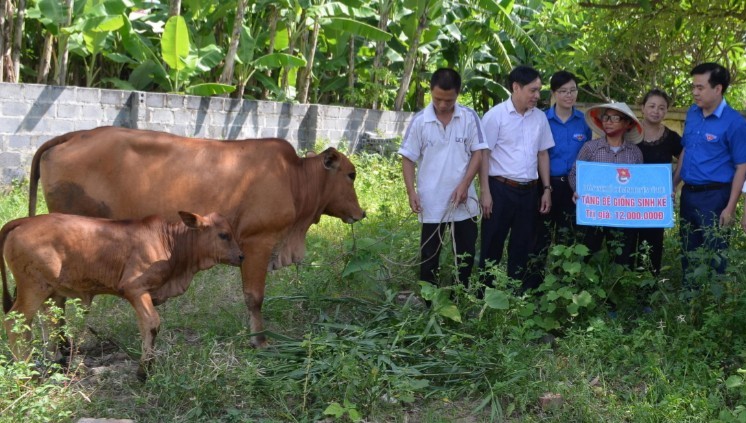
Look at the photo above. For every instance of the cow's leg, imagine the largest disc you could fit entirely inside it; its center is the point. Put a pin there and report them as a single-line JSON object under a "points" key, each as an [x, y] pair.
{"points": [[149, 323], [254, 273], [27, 303]]}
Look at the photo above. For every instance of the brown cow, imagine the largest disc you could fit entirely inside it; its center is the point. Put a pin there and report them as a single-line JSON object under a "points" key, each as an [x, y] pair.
{"points": [[146, 262], [269, 194]]}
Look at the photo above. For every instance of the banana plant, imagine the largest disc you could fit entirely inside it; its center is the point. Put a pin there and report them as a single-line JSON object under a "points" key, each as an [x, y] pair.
{"points": [[341, 26], [261, 50], [180, 61], [93, 33]]}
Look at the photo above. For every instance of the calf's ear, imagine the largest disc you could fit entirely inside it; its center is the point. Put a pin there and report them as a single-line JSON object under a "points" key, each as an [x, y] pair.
{"points": [[192, 220], [331, 158]]}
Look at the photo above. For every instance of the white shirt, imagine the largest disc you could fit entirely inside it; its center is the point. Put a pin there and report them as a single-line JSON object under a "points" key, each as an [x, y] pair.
{"points": [[515, 140], [442, 156]]}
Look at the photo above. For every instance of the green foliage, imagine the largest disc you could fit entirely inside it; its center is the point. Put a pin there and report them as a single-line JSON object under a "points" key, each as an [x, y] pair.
{"points": [[619, 53], [570, 287], [37, 389]]}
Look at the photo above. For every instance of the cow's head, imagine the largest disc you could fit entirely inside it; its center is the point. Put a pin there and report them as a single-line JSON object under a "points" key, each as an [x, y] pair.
{"points": [[341, 199], [215, 242]]}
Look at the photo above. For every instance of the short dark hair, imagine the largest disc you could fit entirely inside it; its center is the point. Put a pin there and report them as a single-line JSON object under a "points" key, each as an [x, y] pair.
{"points": [[523, 75], [446, 79], [718, 74], [561, 78], [656, 92]]}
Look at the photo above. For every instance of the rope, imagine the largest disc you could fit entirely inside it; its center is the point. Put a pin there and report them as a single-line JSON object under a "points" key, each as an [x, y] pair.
{"points": [[472, 206]]}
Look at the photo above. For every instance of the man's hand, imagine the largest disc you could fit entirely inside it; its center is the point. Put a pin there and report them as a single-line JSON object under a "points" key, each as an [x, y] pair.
{"points": [[546, 202], [575, 197], [726, 217], [460, 195], [414, 203], [486, 201]]}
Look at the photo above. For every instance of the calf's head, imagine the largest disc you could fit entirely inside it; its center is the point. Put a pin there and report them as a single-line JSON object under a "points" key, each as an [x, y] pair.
{"points": [[215, 241], [340, 190]]}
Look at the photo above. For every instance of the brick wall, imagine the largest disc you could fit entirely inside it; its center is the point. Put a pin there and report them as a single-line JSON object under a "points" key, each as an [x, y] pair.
{"points": [[30, 114]]}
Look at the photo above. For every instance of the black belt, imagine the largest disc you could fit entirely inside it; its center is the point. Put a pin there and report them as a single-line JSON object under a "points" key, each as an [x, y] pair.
{"points": [[562, 178], [515, 184], [706, 187]]}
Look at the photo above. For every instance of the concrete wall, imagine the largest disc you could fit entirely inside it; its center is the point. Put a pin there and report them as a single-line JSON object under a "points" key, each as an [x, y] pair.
{"points": [[30, 114]]}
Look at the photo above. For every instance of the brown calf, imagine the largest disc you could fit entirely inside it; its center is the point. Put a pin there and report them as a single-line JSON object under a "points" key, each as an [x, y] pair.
{"points": [[146, 262]]}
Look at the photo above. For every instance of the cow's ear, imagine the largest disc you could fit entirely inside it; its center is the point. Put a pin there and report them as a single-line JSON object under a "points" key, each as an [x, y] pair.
{"points": [[192, 220], [331, 158]]}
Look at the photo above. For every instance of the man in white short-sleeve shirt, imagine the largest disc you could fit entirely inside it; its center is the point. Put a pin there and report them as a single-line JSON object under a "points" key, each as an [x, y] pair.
{"points": [[443, 143], [518, 135]]}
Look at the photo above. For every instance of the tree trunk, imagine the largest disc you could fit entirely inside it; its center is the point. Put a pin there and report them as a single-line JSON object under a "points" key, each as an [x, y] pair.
{"points": [[273, 16], [18, 39], [4, 11], [351, 73], [409, 62], [174, 8], [45, 63], [419, 90], [60, 75], [305, 81], [230, 59], [383, 23], [292, 40]]}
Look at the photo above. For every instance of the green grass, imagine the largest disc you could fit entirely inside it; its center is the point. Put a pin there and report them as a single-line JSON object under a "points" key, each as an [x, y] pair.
{"points": [[345, 347]]}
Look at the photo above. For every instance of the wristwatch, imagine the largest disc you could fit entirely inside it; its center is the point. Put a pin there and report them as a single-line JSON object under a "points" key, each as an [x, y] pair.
{"points": [[549, 187]]}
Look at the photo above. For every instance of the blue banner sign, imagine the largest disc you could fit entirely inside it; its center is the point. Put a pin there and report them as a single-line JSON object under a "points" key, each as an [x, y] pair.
{"points": [[624, 195]]}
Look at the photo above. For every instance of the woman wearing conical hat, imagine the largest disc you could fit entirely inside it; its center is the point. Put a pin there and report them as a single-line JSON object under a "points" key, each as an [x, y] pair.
{"points": [[621, 132]]}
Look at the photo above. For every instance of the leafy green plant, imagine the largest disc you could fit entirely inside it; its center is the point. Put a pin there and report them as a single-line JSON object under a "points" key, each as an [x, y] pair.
{"points": [[570, 287]]}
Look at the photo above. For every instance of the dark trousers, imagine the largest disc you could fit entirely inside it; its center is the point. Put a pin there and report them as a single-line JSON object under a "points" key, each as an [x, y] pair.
{"points": [[699, 215], [654, 238], [431, 241], [513, 211], [594, 237], [557, 226], [559, 223]]}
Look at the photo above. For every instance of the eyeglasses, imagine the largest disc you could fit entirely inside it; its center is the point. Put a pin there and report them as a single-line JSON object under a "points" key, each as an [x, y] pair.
{"points": [[563, 92], [612, 118]]}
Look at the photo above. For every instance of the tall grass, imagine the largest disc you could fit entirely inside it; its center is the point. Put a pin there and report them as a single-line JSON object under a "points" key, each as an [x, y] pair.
{"points": [[346, 345]]}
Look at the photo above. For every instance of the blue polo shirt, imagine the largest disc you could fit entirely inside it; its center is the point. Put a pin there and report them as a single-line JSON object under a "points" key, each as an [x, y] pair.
{"points": [[569, 137], [714, 145]]}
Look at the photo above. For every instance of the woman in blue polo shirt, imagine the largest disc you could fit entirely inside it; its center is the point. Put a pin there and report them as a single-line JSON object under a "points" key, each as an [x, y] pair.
{"points": [[570, 132]]}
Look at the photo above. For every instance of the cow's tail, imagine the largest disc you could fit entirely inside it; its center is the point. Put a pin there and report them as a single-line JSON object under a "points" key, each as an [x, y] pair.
{"points": [[34, 176], [7, 298]]}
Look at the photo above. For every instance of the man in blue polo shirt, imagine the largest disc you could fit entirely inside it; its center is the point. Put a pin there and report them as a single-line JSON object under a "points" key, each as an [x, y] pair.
{"points": [[713, 164]]}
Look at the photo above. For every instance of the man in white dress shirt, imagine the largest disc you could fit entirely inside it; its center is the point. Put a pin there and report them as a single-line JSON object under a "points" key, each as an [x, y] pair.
{"points": [[444, 142], [518, 135]]}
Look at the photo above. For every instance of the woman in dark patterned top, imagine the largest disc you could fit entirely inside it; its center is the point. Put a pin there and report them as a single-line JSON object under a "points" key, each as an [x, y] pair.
{"points": [[659, 145]]}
